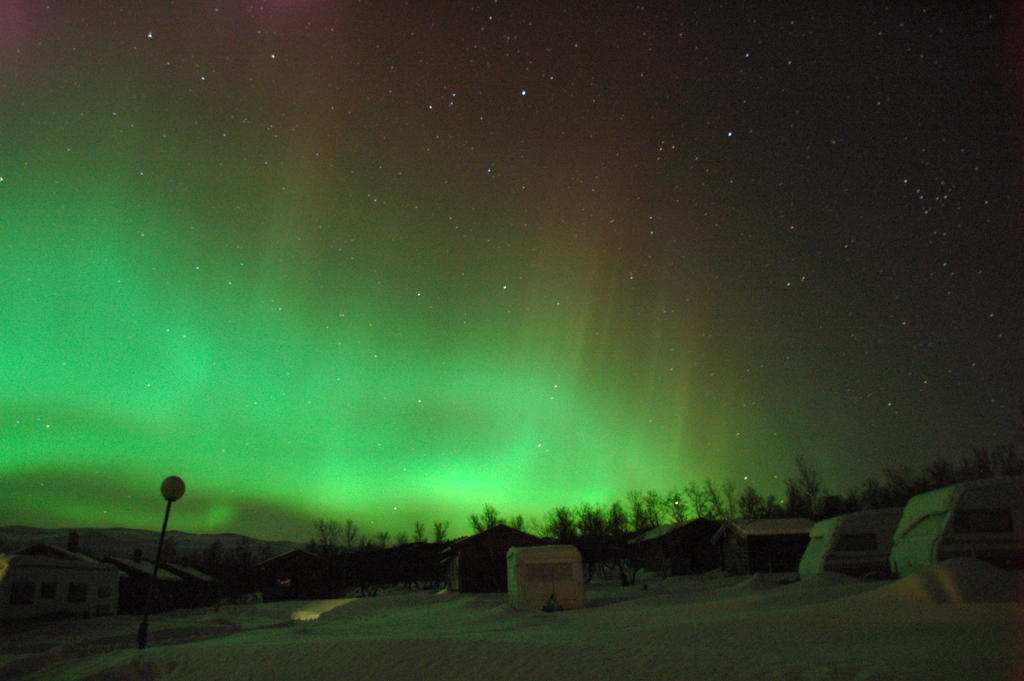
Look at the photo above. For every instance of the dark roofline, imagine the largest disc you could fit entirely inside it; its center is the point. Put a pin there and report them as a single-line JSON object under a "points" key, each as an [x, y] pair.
{"points": [[287, 553], [502, 526], [187, 573], [143, 568]]}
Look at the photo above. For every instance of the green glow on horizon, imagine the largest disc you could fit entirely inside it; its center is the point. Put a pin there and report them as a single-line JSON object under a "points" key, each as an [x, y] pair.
{"points": [[125, 355]]}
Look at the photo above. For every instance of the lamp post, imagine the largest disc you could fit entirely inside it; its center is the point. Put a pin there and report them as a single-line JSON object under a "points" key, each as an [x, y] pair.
{"points": [[172, 489]]}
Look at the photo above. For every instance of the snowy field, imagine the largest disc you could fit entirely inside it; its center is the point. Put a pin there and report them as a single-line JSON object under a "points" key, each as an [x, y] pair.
{"points": [[962, 620]]}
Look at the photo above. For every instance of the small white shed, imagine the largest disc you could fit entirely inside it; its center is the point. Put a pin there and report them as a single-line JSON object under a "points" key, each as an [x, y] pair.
{"points": [[545, 577]]}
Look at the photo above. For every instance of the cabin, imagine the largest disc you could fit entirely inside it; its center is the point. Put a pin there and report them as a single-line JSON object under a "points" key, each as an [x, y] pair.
{"points": [[682, 548], [415, 564], [478, 563], [292, 575], [545, 577], [855, 544], [48, 581], [136, 575], [763, 545], [197, 590], [981, 519]]}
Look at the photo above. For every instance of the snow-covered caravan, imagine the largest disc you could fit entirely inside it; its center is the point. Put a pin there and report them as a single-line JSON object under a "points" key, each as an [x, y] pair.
{"points": [[981, 518], [545, 577], [47, 580], [855, 544]]}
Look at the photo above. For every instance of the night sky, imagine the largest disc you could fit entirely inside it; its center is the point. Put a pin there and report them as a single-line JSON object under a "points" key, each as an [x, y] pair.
{"points": [[392, 261]]}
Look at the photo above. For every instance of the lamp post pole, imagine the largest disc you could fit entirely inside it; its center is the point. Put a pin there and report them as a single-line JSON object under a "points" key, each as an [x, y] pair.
{"points": [[172, 489]]}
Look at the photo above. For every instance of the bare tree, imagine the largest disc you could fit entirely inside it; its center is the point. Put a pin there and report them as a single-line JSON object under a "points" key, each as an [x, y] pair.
{"points": [[440, 531], [773, 507], [326, 535], [644, 511], [561, 525], [326, 538], [803, 492], [485, 521], [751, 505], [351, 534], [939, 473], [420, 533], [698, 499], [1006, 461], [382, 539], [675, 506], [590, 521], [715, 501], [617, 521], [653, 508], [729, 497]]}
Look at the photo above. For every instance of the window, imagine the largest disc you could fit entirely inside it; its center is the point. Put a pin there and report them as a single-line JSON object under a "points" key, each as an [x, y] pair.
{"points": [[857, 542], [48, 590], [77, 592], [982, 520], [23, 593]]}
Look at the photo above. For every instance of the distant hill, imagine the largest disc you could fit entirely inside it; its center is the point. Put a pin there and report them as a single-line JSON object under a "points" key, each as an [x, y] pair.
{"points": [[121, 541]]}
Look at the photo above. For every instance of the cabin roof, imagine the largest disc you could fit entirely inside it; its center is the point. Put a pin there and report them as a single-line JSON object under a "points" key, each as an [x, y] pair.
{"points": [[144, 567], [663, 530]]}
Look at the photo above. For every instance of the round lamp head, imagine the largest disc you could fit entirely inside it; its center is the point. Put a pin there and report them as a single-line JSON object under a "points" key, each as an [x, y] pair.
{"points": [[173, 488]]}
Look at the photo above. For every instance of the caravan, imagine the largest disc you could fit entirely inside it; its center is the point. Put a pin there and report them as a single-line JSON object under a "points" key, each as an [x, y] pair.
{"points": [[981, 518], [856, 544]]}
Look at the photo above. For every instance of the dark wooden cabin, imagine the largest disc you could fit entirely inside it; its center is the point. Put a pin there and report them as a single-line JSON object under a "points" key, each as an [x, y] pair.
{"points": [[293, 575], [678, 548], [477, 563], [763, 545], [136, 574], [197, 589]]}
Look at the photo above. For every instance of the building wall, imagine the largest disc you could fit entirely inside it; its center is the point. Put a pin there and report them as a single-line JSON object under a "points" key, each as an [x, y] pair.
{"points": [[763, 553], [735, 559], [776, 553], [482, 569], [685, 550], [294, 575], [37, 591]]}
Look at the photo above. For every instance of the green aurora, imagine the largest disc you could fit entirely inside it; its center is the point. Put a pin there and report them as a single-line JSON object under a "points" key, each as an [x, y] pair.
{"points": [[271, 252]]}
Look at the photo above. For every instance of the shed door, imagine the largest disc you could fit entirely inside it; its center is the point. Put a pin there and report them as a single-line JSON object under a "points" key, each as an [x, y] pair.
{"points": [[550, 578]]}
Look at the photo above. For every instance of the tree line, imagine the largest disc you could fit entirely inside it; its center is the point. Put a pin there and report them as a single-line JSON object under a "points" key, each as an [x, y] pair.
{"points": [[360, 560], [805, 497]]}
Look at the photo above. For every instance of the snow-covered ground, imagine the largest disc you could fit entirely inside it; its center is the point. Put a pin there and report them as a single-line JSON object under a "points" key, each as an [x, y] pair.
{"points": [[963, 620]]}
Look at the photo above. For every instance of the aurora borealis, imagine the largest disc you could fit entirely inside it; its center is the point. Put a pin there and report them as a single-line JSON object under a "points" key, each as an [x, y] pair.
{"points": [[391, 261]]}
